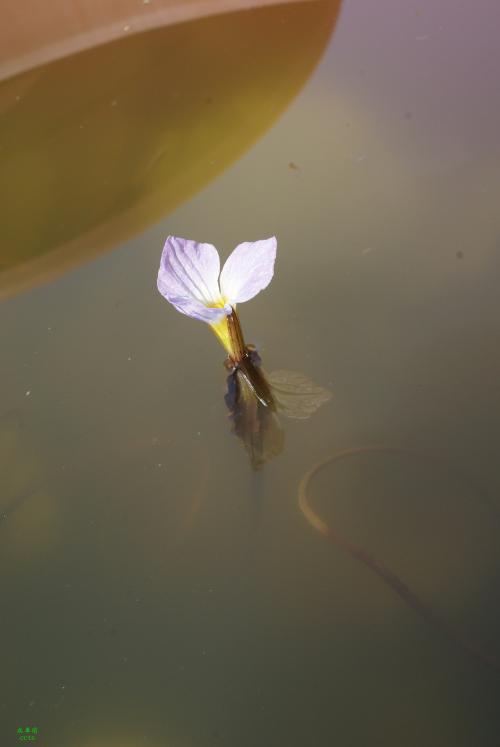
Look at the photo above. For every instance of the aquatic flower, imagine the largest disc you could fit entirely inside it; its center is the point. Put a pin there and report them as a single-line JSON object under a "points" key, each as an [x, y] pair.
{"points": [[190, 279]]}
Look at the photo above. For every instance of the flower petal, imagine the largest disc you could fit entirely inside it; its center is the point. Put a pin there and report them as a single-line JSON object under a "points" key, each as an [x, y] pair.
{"points": [[248, 270], [195, 309], [188, 278]]}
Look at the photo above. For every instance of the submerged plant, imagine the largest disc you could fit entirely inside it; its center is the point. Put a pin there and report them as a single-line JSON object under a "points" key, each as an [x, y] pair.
{"points": [[190, 279]]}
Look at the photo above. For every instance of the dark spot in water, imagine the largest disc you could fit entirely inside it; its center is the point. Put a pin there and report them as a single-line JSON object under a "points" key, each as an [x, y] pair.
{"points": [[408, 115], [293, 166], [215, 734], [460, 255], [208, 100], [113, 631]]}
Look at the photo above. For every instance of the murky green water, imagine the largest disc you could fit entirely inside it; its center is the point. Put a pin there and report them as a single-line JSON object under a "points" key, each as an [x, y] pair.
{"points": [[156, 590]]}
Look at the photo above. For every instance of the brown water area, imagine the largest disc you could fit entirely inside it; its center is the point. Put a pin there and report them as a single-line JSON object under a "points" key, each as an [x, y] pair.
{"points": [[300, 548]]}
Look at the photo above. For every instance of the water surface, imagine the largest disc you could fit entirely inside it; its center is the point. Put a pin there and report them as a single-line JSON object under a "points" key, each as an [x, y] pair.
{"points": [[156, 590]]}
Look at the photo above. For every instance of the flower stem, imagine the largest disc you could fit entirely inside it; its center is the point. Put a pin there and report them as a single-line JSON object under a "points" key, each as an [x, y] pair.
{"points": [[238, 347]]}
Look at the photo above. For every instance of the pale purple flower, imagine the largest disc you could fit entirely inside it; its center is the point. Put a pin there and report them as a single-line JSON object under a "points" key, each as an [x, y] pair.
{"points": [[189, 276]]}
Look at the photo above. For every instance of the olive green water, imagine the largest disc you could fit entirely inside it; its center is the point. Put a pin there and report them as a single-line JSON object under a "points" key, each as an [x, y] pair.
{"points": [[154, 589]]}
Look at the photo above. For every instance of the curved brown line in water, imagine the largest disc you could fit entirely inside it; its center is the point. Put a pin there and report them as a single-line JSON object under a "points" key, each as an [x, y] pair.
{"points": [[374, 565]]}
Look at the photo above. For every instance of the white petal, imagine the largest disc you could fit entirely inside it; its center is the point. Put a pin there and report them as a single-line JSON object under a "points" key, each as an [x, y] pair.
{"points": [[248, 270], [188, 277], [195, 309]]}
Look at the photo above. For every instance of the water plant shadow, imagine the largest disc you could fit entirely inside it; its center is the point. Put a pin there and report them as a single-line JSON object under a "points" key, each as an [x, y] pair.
{"points": [[358, 552]]}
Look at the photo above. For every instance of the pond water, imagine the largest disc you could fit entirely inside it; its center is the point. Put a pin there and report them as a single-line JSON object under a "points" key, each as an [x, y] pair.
{"points": [[156, 589]]}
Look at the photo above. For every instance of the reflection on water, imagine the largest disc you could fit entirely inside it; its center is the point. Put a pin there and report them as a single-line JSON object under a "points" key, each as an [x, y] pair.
{"points": [[100, 144]]}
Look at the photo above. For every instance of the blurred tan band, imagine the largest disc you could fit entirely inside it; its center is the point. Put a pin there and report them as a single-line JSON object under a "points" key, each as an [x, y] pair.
{"points": [[48, 31]]}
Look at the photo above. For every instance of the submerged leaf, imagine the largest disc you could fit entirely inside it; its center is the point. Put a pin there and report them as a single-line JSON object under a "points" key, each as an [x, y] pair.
{"points": [[296, 395], [254, 422], [255, 399]]}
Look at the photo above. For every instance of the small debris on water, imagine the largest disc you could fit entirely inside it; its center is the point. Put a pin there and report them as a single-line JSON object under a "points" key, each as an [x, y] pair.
{"points": [[293, 166], [28, 393], [460, 255]]}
